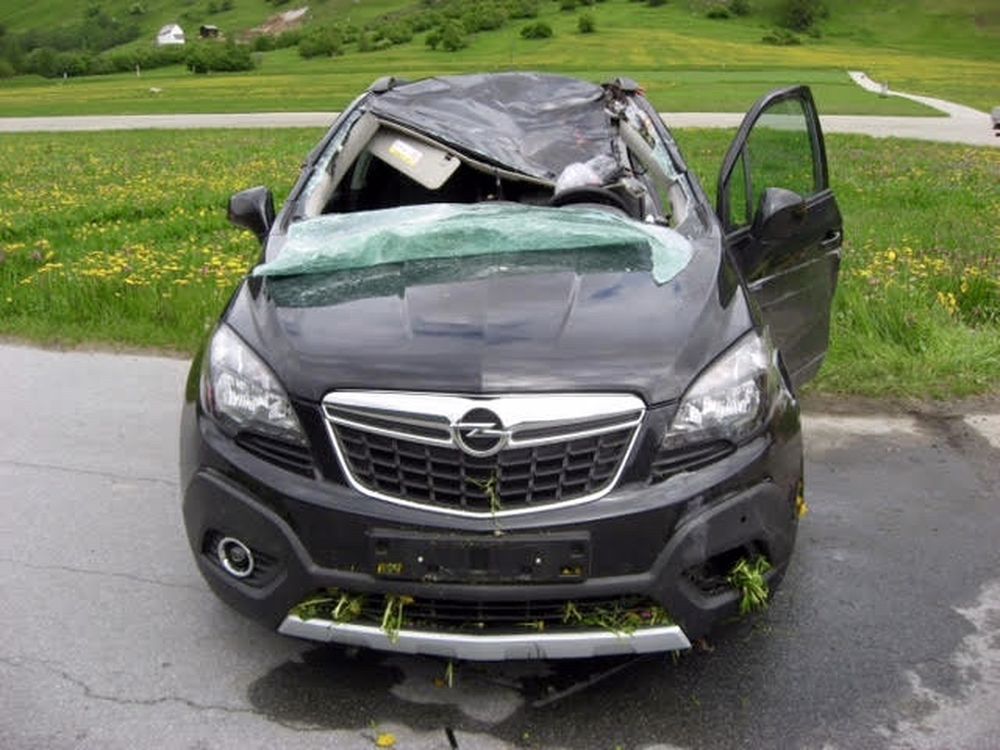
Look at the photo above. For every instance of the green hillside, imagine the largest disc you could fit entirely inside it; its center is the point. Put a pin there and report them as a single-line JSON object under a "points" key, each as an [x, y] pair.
{"points": [[967, 29], [685, 59], [244, 14]]}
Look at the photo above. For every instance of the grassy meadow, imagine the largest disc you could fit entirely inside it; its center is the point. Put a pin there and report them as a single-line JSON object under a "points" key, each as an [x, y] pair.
{"points": [[121, 238], [278, 86], [686, 61]]}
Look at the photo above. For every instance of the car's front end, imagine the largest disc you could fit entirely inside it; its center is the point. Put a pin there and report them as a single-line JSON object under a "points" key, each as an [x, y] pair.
{"points": [[564, 519], [494, 392]]}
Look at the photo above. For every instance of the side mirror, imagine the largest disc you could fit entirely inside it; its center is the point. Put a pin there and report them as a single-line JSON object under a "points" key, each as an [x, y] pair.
{"points": [[253, 209], [779, 215]]}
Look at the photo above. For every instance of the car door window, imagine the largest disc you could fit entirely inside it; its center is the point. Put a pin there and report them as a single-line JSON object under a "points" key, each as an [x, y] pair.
{"points": [[740, 211], [778, 153]]}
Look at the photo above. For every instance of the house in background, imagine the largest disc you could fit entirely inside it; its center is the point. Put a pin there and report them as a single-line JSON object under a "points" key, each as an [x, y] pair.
{"points": [[170, 34]]}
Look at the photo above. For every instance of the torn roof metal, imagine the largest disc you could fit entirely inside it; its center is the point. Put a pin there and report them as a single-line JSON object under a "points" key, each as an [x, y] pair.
{"points": [[533, 123]]}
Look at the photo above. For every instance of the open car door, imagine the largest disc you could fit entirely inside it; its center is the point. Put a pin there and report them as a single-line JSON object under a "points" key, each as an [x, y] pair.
{"points": [[782, 223]]}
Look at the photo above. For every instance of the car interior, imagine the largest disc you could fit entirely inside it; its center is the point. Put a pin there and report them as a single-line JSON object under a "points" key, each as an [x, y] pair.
{"points": [[379, 165]]}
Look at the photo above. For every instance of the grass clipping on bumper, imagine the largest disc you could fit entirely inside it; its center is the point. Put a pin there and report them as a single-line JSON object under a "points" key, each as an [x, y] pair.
{"points": [[338, 606], [747, 577], [619, 620], [342, 607]]}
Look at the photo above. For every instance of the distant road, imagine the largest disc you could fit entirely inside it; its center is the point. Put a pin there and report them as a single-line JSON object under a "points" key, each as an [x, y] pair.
{"points": [[970, 130]]}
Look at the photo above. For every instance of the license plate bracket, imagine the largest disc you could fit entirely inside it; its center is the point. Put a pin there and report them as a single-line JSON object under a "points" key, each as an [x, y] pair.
{"points": [[461, 558]]}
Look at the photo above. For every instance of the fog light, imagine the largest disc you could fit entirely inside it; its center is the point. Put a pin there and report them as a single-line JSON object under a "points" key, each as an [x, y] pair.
{"points": [[235, 557]]}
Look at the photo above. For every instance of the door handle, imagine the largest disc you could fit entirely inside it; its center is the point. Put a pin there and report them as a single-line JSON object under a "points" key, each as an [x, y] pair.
{"points": [[831, 240]]}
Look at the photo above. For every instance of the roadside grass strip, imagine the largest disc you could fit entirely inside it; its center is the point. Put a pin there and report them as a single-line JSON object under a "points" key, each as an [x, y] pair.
{"points": [[121, 239]]}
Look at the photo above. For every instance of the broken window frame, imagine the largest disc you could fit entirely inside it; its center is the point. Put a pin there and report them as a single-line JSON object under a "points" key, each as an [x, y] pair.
{"points": [[670, 196]]}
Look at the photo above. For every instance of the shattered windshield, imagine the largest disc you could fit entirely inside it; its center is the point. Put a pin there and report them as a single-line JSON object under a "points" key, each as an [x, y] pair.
{"points": [[340, 242]]}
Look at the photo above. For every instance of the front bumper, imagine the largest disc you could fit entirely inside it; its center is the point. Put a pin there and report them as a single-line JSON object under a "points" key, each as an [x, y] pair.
{"points": [[657, 541], [575, 645]]}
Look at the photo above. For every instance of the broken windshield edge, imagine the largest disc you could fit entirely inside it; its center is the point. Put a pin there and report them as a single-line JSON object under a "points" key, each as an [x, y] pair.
{"points": [[394, 279], [364, 239]]}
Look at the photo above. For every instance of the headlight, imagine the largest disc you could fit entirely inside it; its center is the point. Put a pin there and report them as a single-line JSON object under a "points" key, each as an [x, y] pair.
{"points": [[242, 393], [733, 396]]}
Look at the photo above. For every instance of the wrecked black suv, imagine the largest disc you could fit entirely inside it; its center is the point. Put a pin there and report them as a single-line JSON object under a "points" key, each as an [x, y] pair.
{"points": [[505, 384]]}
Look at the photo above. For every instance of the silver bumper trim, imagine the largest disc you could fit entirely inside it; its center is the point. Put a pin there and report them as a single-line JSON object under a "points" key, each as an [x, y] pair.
{"points": [[573, 645]]}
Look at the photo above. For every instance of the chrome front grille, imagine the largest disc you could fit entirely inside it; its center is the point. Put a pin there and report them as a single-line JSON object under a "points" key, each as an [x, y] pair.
{"points": [[482, 456]]}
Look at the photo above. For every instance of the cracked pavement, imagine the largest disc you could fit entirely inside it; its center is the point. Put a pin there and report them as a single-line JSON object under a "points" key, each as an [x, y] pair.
{"points": [[886, 633]]}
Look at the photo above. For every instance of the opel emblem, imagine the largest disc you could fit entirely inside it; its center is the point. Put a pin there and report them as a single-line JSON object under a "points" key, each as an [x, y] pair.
{"points": [[480, 433]]}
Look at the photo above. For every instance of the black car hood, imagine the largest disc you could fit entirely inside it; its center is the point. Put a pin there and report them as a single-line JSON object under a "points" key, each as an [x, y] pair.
{"points": [[582, 321]]}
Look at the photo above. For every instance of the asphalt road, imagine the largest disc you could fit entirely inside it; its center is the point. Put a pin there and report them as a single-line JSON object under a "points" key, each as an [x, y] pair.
{"points": [[886, 633]]}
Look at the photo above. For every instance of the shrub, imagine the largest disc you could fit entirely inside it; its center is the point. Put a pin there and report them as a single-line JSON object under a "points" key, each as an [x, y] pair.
{"points": [[423, 21], [655, 3], [801, 15], [399, 33], [433, 39], [740, 7], [484, 17], [586, 24], [365, 42], [72, 64], [288, 38], [720, 12], [537, 30], [781, 38], [206, 57], [102, 66], [348, 32], [6, 69], [319, 41], [522, 9], [567, 4], [452, 37], [53, 64], [263, 43], [41, 61], [137, 9]]}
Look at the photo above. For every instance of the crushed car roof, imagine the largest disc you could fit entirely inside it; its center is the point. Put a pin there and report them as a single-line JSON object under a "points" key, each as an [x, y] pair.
{"points": [[534, 123]]}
